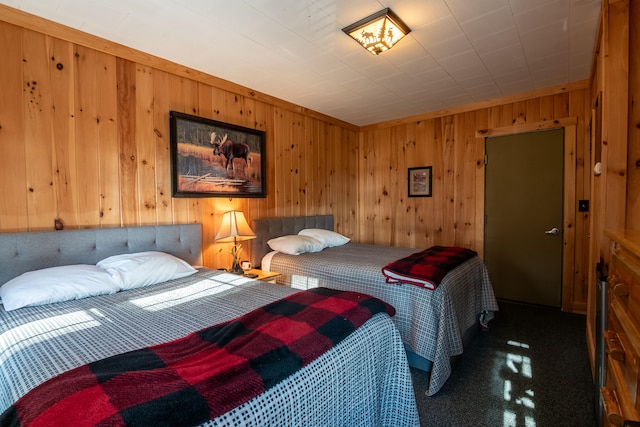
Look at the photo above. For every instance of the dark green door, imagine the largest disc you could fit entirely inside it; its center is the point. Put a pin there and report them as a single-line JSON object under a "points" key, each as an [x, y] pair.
{"points": [[523, 207]]}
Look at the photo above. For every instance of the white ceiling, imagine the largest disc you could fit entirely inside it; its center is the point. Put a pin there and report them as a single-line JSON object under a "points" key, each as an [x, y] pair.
{"points": [[458, 52]]}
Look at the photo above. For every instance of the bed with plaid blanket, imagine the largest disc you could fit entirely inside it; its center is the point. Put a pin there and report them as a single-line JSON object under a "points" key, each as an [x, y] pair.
{"points": [[432, 323], [426, 268], [276, 364]]}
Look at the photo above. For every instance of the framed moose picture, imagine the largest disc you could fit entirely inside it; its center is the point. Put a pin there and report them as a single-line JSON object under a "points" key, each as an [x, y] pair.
{"points": [[215, 159]]}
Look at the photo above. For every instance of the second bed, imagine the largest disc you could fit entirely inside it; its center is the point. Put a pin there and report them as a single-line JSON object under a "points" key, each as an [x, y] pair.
{"points": [[433, 324]]}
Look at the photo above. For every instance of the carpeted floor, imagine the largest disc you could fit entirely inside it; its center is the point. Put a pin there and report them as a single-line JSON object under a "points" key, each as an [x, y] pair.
{"points": [[531, 369]]}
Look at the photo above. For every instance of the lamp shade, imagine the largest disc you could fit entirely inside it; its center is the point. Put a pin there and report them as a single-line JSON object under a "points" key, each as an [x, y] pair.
{"points": [[234, 227], [378, 32]]}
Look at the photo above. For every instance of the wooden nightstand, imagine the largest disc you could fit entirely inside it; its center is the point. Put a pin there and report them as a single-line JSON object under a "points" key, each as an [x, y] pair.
{"points": [[265, 276]]}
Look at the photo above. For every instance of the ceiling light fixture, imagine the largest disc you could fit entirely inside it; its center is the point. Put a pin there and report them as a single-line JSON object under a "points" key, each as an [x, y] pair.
{"points": [[379, 32]]}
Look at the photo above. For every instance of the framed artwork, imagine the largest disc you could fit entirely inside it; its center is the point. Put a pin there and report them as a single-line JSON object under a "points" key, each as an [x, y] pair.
{"points": [[420, 181], [215, 159]]}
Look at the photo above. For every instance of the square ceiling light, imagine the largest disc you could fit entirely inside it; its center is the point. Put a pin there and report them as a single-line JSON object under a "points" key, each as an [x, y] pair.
{"points": [[379, 32]]}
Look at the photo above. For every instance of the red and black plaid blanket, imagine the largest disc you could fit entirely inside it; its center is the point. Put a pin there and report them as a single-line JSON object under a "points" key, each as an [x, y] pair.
{"points": [[203, 375], [426, 268]]}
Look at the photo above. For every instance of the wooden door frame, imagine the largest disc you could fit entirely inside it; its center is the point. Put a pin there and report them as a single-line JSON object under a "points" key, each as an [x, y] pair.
{"points": [[569, 205]]}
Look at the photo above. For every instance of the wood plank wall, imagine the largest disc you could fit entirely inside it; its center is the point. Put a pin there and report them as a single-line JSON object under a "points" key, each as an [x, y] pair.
{"points": [[448, 141], [87, 142], [84, 139], [615, 91]]}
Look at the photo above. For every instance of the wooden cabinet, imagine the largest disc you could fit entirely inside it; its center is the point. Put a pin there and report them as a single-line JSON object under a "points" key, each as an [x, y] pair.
{"points": [[621, 393]]}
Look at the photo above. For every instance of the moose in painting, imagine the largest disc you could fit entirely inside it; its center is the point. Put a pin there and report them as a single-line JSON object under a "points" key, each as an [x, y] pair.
{"points": [[230, 150]]}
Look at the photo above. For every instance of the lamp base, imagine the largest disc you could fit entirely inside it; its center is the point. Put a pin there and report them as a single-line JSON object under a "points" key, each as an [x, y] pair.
{"points": [[236, 269]]}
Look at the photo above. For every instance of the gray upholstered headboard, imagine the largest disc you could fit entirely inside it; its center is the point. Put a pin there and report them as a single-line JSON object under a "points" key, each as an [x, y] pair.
{"points": [[22, 252], [268, 228]]}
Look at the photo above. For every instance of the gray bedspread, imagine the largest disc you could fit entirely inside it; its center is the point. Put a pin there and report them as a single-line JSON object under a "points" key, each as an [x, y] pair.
{"points": [[364, 380], [431, 323]]}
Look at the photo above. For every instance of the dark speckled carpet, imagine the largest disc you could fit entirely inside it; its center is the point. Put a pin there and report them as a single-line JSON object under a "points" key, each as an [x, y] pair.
{"points": [[531, 369]]}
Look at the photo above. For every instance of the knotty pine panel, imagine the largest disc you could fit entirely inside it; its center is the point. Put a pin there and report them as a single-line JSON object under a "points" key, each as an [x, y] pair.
{"points": [[633, 182], [38, 131], [315, 164], [86, 136], [13, 198], [88, 142], [108, 148]]}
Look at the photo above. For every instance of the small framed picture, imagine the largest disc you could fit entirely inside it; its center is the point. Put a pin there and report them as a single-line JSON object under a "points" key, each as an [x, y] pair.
{"points": [[420, 181]]}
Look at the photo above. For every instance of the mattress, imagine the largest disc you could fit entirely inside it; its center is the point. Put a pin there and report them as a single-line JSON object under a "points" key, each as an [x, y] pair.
{"points": [[432, 323], [364, 380]]}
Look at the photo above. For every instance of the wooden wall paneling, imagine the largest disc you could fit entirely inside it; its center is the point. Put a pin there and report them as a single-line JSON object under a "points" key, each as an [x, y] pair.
{"points": [[263, 120], [482, 117], [465, 204], [436, 222], [616, 113], [285, 167], [298, 206], [354, 165], [61, 79], [519, 112], [408, 210], [126, 71], [183, 96], [433, 151], [456, 199], [366, 199], [493, 117], [579, 107], [190, 96], [386, 156], [546, 108], [13, 197], [422, 208], [38, 137], [333, 183], [447, 198], [207, 215], [108, 145], [595, 209], [162, 142], [307, 165], [365, 181], [561, 105], [533, 110], [327, 173], [313, 165], [145, 145], [276, 155], [569, 214], [507, 117], [342, 179], [87, 170], [633, 181], [396, 193]]}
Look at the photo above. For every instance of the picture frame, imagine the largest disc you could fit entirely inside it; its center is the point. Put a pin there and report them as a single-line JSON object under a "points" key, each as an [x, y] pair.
{"points": [[215, 159], [420, 181]]}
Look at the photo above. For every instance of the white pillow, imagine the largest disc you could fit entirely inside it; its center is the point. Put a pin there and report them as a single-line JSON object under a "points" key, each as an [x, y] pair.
{"points": [[295, 244], [328, 238], [140, 269], [56, 284]]}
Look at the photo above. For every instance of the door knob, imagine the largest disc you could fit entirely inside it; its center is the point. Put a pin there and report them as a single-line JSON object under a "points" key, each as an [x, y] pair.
{"points": [[554, 231]]}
